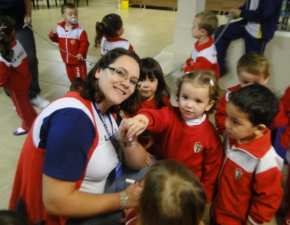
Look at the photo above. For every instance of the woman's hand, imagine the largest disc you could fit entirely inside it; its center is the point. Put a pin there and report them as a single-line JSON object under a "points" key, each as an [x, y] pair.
{"points": [[136, 125], [134, 192]]}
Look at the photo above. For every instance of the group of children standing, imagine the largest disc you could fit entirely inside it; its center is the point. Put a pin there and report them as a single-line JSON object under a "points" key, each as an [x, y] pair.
{"points": [[242, 178]]}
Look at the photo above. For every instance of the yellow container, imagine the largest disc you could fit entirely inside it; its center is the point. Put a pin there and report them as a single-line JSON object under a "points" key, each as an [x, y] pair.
{"points": [[124, 4]]}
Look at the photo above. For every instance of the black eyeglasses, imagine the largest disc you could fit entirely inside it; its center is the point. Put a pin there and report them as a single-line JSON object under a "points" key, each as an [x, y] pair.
{"points": [[122, 74]]}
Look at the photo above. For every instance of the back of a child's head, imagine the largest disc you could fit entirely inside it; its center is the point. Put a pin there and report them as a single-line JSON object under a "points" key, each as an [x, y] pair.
{"points": [[7, 27], [208, 21], [258, 102], [8, 217], [201, 78], [109, 26], [172, 194], [255, 64], [151, 68], [67, 5]]}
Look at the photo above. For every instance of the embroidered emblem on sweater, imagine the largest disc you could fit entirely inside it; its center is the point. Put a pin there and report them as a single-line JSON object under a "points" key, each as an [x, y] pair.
{"points": [[72, 42], [238, 173], [197, 147]]}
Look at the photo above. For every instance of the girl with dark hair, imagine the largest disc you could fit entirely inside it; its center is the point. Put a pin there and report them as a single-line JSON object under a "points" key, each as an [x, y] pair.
{"points": [[108, 34], [154, 94], [15, 74], [75, 143]]}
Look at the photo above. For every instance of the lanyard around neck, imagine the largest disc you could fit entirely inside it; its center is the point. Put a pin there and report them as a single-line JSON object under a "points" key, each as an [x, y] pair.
{"points": [[103, 120]]}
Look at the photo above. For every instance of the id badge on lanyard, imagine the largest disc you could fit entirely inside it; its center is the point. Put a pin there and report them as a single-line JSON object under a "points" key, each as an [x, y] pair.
{"points": [[118, 169]]}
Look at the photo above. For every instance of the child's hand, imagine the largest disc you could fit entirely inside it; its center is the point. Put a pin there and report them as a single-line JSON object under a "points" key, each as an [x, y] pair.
{"points": [[126, 213], [248, 223], [148, 160], [136, 125], [50, 33], [80, 56]]}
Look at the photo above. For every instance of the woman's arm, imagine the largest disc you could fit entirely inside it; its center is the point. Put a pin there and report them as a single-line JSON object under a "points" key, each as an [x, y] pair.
{"points": [[61, 198], [135, 154]]}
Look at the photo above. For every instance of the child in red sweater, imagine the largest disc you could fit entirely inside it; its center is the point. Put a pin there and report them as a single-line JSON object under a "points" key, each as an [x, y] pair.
{"points": [[251, 68], [187, 135], [171, 194], [109, 33], [15, 74], [155, 94], [73, 41], [284, 140], [204, 56], [249, 184]]}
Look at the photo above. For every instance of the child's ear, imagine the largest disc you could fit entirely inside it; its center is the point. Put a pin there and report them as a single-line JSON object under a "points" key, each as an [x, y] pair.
{"points": [[210, 104], [203, 32], [260, 129]]}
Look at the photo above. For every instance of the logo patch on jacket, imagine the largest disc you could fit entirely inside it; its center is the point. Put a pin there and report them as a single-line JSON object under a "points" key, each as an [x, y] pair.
{"points": [[238, 173], [72, 42], [197, 147]]}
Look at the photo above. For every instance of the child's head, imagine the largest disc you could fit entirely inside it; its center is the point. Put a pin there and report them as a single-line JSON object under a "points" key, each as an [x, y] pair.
{"points": [[253, 68], [7, 27], [249, 111], [8, 217], [111, 25], [206, 23], [197, 93], [152, 83], [69, 12], [172, 194]]}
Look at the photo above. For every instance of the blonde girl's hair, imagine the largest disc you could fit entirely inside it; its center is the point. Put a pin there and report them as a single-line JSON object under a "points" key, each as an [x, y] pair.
{"points": [[254, 63], [201, 77], [109, 26], [172, 195], [208, 21]]}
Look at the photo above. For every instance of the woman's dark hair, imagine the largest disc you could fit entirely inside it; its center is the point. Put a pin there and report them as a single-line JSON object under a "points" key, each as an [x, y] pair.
{"points": [[7, 26], [8, 217], [92, 91], [151, 68], [109, 26], [172, 194]]}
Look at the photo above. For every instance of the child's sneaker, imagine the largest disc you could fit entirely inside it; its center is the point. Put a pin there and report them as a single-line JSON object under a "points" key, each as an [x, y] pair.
{"points": [[13, 106], [20, 131], [39, 102]]}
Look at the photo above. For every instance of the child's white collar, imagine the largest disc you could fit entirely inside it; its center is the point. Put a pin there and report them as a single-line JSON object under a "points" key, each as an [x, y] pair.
{"points": [[195, 122]]}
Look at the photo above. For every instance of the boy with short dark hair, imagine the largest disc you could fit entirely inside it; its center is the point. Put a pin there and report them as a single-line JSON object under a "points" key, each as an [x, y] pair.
{"points": [[249, 187], [204, 56], [73, 41]]}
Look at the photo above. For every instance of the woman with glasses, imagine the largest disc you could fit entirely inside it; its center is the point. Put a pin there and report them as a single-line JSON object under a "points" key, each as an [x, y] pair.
{"points": [[76, 143]]}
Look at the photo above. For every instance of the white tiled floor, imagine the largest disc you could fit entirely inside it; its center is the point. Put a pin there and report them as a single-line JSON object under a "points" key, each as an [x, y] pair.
{"points": [[149, 31]]}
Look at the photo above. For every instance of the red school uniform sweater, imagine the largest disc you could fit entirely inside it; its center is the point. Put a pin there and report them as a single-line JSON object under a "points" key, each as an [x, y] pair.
{"points": [[15, 75], [249, 183], [109, 43], [74, 41], [220, 114], [284, 139], [203, 57], [198, 147]]}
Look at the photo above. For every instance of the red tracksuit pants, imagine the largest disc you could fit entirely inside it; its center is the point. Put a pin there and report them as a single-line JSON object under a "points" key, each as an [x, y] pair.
{"points": [[24, 108], [76, 70]]}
